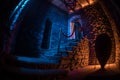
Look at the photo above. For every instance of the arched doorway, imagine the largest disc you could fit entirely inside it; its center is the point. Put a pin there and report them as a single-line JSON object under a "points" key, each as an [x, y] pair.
{"points": [[103, 46], [75, 25], [78, 32]]}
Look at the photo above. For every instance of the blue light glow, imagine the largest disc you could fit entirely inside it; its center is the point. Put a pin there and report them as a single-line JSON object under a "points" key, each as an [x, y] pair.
{"points": [[17, 7], [37, 60], [19, 11]]}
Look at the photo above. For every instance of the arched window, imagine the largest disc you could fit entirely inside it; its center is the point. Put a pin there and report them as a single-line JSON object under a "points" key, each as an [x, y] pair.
{"points": [[46, 34]]}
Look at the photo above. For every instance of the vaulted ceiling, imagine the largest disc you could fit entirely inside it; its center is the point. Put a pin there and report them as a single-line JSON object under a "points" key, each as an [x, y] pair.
{"points": [[79, 4], [59, 4]]}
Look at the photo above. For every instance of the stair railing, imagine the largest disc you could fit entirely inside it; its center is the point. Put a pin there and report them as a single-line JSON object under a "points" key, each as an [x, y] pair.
{"points": [[59, 41]]}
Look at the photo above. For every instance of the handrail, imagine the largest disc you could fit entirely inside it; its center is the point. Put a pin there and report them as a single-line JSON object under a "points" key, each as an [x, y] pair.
{"points": [[68, 36], [59, 40]]}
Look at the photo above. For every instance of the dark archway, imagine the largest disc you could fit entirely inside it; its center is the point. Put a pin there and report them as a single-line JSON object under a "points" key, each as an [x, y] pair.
{"points": [[46, 35], [103, 46]]}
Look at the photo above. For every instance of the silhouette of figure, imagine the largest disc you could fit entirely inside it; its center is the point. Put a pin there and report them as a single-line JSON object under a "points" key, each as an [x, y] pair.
{"points": [[78, 31], [103, 47]]}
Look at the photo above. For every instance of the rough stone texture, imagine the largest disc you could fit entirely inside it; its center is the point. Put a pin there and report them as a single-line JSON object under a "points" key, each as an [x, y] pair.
{"points": [[81, 54], [27, 38], [31, 29], [116, 36], [77, 58], [59, 20], [96, 23]]}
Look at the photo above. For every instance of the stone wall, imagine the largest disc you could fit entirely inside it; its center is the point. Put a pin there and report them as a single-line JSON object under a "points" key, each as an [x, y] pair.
{"points": [[28, 36], [81, 54], [59, 20], [31, 29], [95, 23], [116, 34]]}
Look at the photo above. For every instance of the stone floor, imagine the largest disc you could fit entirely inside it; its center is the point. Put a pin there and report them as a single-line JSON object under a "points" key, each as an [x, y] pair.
{"points": [[92, 72]]}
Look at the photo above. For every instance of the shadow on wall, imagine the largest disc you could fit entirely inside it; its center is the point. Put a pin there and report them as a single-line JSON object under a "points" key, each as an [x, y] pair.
{"points": [[103, 46], [46, 35]]}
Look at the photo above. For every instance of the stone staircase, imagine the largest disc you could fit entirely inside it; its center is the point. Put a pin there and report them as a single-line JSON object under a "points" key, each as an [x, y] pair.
{"points": [[47, 64], [15, 67], [71, 55], [45, 61], [78, 56], [68, 47], [55, 55]]}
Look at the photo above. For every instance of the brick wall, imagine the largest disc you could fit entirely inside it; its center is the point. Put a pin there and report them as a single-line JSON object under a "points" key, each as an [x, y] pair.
{"points": [[116, 35], [77, 58], [96, 23]]}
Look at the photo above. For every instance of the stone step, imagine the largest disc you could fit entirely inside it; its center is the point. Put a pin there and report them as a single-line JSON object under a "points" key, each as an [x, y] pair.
{"points": [[65, 58], [55, 57], [69, 48], [75, 47], [73, 43], [28, 62], [70, 53], [72, 40], [17, 73], [64, 54]]}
